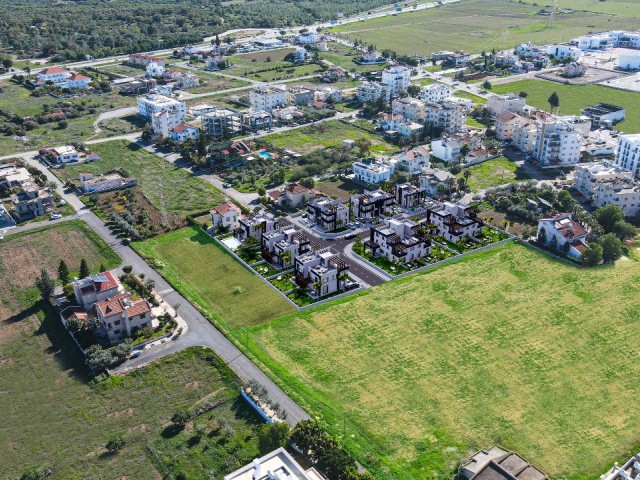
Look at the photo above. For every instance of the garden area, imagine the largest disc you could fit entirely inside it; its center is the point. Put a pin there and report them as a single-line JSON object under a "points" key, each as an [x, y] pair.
{"points": [[168, 188], [492, 173], [435, 352]]}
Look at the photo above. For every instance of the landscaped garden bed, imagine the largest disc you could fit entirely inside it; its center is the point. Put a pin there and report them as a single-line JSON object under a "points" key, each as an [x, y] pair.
{"points": [[284, 282]]}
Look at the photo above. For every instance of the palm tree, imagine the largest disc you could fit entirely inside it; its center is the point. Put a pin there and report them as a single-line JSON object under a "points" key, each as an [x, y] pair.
{"points": [[316, 286], [466, 173], [285, 258]]}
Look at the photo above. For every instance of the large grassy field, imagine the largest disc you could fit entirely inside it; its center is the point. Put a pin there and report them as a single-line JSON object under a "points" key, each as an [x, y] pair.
{"points": [[506, 346], [575, 97], [53, 418], [343, 55], [492, 173], [327, 134], [621, 8], [476, 25], [168, 188], [224, 290]]}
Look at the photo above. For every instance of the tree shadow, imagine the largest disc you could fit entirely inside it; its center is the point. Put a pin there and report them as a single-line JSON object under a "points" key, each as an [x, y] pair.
{"points": [[23, 315], [243, 411], [193, 441], [172, 430]]}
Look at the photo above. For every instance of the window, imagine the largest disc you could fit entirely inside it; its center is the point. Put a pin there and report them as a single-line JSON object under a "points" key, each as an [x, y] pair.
{"points": [[116, 323], [116, 332], [143, 325]]}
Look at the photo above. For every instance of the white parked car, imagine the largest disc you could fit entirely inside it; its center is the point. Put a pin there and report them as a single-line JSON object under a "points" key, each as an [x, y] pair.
{"points": [[55, 216]]}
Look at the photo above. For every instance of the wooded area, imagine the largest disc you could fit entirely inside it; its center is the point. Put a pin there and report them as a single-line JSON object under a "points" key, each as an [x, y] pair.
{"points": [[73, 29]]}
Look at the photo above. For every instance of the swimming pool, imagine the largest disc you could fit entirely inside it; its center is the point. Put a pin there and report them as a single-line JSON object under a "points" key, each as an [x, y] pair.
{"points": [[265, 155]]}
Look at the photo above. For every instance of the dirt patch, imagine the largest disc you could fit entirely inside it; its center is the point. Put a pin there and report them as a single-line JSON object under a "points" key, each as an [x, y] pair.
{"points": [[497, 218], [195, 384], [143, 427], [127, 411]]}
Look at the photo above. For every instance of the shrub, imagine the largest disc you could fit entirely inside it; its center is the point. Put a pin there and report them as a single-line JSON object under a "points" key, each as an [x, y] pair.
{"points": [[116, 443], [127, 269]]}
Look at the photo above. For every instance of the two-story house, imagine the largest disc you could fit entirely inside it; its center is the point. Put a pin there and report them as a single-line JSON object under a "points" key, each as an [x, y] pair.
{"points": [[371, 204], [225, 215], [455, 221], [284, 245], [96, 288], [410, 196], [120, 315], [321, 272], [328, 214], [399, 241], [255, 225]]}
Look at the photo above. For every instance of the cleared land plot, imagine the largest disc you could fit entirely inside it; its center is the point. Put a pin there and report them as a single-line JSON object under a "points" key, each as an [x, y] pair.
{"points": [[226, 291], [476, 25], [470, 96], [326, 134], [494, 172], [505, 346], [268, 65], [341, 189], [575, 97], [210, 82], [23, 255], [169, 188]]}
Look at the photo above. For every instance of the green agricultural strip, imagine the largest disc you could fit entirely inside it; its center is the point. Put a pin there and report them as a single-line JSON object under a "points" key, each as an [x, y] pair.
{"points": [[225, 291], [477, 25], [169, 188], [505, 346], [575, 97]]}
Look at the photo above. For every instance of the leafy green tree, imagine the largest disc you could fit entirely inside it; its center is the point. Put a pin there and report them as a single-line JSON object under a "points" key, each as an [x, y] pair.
{"points": [[624, 230], [180, 417], [123, 350], [84, 269], [272, 436], [607, 216], [103, 268], [45, 284], [99, 359], [592, 255], [307, 182], [554, 100], [63, 272], [611, 247], [116, 443], [364, 146], [74, 324]]}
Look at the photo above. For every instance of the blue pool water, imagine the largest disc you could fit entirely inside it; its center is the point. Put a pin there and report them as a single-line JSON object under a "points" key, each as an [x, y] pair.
{"points": [[265, 155]]}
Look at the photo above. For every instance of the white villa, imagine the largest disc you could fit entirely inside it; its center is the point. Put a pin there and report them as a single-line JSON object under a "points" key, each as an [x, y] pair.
{"points": [[455, 221], [328, 214], [284, 245], [322, 272], [371, 204], [398, 241], [564, 230], [373, 171], [225, 215]]}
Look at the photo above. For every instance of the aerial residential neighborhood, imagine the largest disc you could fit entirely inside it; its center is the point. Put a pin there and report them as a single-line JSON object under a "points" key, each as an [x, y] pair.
{"points": [[319, 241]]}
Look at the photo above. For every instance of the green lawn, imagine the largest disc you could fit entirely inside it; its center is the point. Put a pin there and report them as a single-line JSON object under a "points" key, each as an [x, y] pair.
{"points": [[168, 188], [494, 172], [327, 134], [575, 97], [262, 66], [228, 294], [470, 96], [506, 346], [210, 82], [479, 25]]}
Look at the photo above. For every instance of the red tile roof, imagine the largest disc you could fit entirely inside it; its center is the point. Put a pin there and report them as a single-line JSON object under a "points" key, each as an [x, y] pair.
{"points": [[111, 282], [417, 153], [53, 70], [78, 78], [225, 208], [295, 188]]}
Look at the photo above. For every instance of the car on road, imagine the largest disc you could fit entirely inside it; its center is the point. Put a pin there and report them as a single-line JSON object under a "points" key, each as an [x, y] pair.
{"points": [[350, 236], [135, 354], [55, 216], [226, 185]]}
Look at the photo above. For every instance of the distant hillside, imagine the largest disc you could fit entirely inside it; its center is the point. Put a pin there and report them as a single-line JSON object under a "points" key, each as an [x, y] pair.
{"points": [[69, 30]]}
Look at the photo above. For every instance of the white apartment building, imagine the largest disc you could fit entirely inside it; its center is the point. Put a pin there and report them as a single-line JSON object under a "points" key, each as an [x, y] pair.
{"points": [[505, 124], [396, 79], [595, 41], [278, 464], [435, 93], [564, 51], [623, 193], [447, 115], [267, 97], [629, 61], [371, 92], [510, 102], [225, 215], [326, 94], [628, 155], [398, 241], [164, 112], [524, 136], [410, 108], [373, 171], [587, 176], [409, 195], [557, 144]]}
